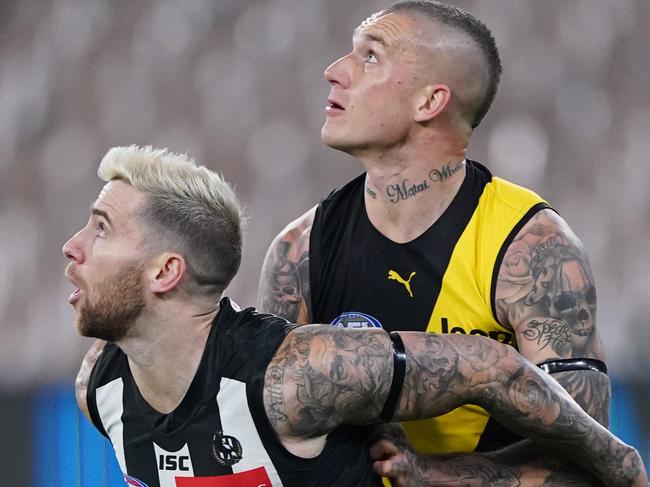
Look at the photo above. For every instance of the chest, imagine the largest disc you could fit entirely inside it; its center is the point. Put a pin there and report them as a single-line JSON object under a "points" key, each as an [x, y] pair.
{"points": [[215, 443]]}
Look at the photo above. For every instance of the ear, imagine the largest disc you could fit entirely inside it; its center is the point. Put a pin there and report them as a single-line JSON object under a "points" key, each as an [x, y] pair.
{"points": [[433, 100], [166, 272]]}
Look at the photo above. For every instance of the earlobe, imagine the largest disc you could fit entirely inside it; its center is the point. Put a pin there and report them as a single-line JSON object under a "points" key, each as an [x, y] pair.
{"points": [[167, 273], [433, 102]]}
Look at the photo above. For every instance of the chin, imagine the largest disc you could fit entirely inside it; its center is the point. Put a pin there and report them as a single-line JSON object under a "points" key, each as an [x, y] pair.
{"points": [[334, 142]]}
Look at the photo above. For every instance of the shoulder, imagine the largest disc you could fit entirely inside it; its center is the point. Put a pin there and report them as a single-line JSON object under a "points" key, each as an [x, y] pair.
{"points": [[249, 328], [542, 248], [83, 377], [509, 194], [298, 229], [284, 281], [546, 290]]}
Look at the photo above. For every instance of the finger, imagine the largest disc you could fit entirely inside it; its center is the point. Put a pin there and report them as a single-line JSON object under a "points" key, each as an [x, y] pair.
{"points": [[392, 467], [383, 449]]}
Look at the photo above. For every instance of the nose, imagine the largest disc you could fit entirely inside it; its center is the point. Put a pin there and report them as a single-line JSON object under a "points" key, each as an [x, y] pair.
{"points": [[337, 73], [72, 249]]}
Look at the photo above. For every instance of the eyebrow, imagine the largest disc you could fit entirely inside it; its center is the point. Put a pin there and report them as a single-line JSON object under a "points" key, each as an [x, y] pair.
{"points": [[102, 213], [376, 38]]}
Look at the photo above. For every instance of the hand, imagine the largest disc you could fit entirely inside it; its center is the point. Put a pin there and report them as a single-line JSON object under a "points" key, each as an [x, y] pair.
{"points": [[393, 458]]}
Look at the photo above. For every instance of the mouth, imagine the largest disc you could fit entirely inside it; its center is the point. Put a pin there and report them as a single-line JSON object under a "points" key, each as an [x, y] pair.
{"points": [[334, 106], [74, 297]]}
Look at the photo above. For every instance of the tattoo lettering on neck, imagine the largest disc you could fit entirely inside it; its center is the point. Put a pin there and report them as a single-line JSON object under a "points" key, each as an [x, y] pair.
{"points": [[445, 172], [371, 193], [405, 190]]}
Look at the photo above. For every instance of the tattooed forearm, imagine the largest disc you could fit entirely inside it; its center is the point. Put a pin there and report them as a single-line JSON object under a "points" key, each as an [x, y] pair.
{"points": [[284, 282], [477, 470], [330, 376], [590, 389], [448, 371]]}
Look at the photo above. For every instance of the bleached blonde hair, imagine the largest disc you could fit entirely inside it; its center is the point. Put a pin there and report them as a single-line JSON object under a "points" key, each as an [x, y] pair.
{"points": [[190, 209]]}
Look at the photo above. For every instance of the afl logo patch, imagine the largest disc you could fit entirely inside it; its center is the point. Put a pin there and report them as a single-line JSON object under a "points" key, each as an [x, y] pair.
{"points": [[353, 319], [226, 449]]}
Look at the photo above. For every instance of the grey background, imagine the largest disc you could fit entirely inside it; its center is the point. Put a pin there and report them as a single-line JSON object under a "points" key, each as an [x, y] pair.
{"points": [[239, 85]]}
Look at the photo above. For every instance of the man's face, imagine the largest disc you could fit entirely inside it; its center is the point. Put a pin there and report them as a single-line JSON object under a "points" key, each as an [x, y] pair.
{"points": [[106, 265], [373, 88]]}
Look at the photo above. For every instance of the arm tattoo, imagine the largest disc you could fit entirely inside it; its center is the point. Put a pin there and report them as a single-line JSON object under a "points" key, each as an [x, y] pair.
{"points": [[324, 376], [284, 283], [591, 390], [446, 371], [553, 333], [546, 291]]}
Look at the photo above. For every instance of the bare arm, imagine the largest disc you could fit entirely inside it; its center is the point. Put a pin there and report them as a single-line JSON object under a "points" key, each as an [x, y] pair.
{"points": [[81, 382], [323, 376], [546, 293], [284, 282]]}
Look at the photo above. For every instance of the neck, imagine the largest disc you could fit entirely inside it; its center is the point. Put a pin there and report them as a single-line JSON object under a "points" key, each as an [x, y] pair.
{"points": [[407, 190], [164, 352]]}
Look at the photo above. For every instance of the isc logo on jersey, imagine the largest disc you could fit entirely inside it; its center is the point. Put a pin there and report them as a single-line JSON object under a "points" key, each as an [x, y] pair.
{"points": [[172, 465], [354, 319]]}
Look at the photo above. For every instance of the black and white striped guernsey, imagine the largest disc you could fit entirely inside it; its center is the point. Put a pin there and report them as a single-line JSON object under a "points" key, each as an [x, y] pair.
{"points": [[219, 434]]}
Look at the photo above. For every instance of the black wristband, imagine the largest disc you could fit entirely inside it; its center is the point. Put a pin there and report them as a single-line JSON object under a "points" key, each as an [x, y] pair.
{"points": [[399, 369], [564, 365]]}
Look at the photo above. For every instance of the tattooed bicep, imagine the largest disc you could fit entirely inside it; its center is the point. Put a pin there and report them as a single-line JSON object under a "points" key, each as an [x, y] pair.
{"points": [[323, 376], [284, 281], [546, 291]]}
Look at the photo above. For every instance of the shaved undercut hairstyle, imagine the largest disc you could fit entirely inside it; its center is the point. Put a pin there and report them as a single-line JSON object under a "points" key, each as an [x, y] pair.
{"points": [[476, 30], [189, 209]]}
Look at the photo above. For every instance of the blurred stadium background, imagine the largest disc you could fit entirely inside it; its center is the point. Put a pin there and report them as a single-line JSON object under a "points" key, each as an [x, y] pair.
{"points": [[239, 85]]}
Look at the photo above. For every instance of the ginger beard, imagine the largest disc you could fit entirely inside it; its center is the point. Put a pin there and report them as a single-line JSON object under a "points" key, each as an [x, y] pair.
{"points": [[120, 300]]}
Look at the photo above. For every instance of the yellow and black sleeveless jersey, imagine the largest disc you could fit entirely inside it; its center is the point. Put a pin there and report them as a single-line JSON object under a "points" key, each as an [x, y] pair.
{"points": [[443, 282]]}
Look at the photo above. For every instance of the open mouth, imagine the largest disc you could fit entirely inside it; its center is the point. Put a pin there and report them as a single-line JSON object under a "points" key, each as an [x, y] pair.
{"points": [[74, 297], [333, 105]]}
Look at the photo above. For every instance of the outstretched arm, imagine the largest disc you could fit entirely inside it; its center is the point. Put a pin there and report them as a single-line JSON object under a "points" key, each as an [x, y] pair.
{"points": [[323, 376], [284, 282]]}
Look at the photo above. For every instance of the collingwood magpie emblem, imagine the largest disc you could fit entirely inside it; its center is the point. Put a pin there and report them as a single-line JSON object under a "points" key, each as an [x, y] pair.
{"points": [[226, 449]]}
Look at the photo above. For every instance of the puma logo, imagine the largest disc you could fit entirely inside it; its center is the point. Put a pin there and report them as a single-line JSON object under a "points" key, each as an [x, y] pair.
{"points": [[394, 276]]}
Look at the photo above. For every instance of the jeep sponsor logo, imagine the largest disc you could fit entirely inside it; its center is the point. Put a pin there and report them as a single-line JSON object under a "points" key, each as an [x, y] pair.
{"points": [[499, 336]]}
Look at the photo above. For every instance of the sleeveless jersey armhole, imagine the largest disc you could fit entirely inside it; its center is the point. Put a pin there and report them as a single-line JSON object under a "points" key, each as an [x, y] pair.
{"points": [[91, 398]]}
